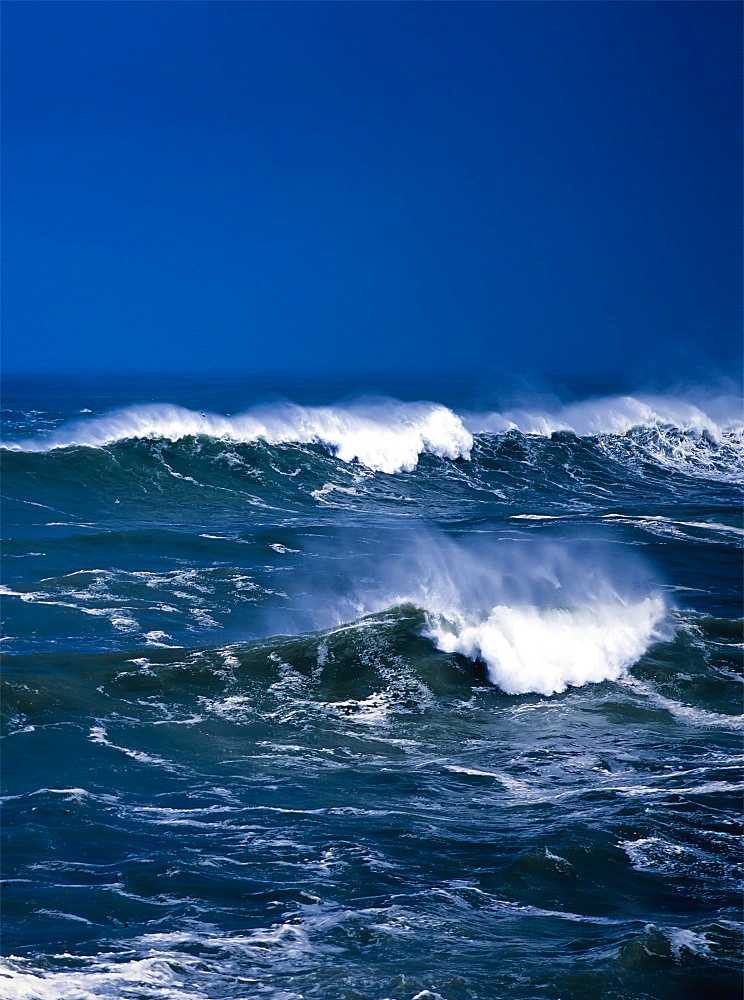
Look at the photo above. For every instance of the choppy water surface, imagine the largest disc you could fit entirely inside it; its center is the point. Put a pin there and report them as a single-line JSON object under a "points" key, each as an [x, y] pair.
{"points": [[370, 700]]}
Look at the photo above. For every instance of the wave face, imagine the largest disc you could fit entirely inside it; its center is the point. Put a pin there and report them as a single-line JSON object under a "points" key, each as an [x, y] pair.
{"points": [[372, 698]]}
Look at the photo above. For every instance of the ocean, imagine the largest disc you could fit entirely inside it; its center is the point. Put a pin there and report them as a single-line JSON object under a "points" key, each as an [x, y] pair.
{"points": [[404, 696]]}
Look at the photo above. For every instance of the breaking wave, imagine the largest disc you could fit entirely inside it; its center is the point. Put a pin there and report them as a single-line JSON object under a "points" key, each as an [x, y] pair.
{"points": [[616, 415], [389, 436], [384, 435], [541, 616], [546, 650]]}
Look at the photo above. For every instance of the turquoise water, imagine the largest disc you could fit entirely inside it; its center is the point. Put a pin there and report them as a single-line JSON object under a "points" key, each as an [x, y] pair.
{"points": [[369, 699]]}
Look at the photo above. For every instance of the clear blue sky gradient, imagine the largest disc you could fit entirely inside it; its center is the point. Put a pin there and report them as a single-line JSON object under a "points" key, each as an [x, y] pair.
{"points": [[328, 187]]}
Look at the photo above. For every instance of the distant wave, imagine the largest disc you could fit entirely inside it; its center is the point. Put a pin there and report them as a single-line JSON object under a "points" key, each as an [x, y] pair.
{"points": [[618, 415], [388, 435], [384, 435]]}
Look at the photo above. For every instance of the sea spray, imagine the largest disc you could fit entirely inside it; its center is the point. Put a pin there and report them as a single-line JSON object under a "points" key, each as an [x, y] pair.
{"points": [[542, 615], [615, 415]]}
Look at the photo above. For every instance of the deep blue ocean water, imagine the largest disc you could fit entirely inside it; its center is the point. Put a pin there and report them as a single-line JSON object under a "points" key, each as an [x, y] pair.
{"points": [[316, 697]]}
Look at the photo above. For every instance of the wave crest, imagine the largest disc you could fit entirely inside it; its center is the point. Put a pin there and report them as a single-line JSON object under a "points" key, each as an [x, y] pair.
{"points": [[546, 650], [384, 435], [387, 435], [541, 615], [616, 415]]}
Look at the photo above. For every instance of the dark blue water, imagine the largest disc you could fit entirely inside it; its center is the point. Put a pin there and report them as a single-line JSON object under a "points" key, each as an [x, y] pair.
{"points": [[369, 699]]}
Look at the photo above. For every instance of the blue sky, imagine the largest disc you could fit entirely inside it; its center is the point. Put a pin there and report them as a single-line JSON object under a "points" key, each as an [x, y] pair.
{"points": [[539, 188]]}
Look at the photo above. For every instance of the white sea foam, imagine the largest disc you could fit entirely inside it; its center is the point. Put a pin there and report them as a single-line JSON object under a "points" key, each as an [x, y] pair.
{"points": [[546, 650], [681, 939], [687, 714], [151, 977], [99, 735], [180, 965], [654, 854], [703, 531], [703, 438]]}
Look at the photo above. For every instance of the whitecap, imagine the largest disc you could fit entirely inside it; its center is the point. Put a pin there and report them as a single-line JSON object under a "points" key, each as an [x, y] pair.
{"points": [[616, 415], [382, 434], [546, 650]]}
